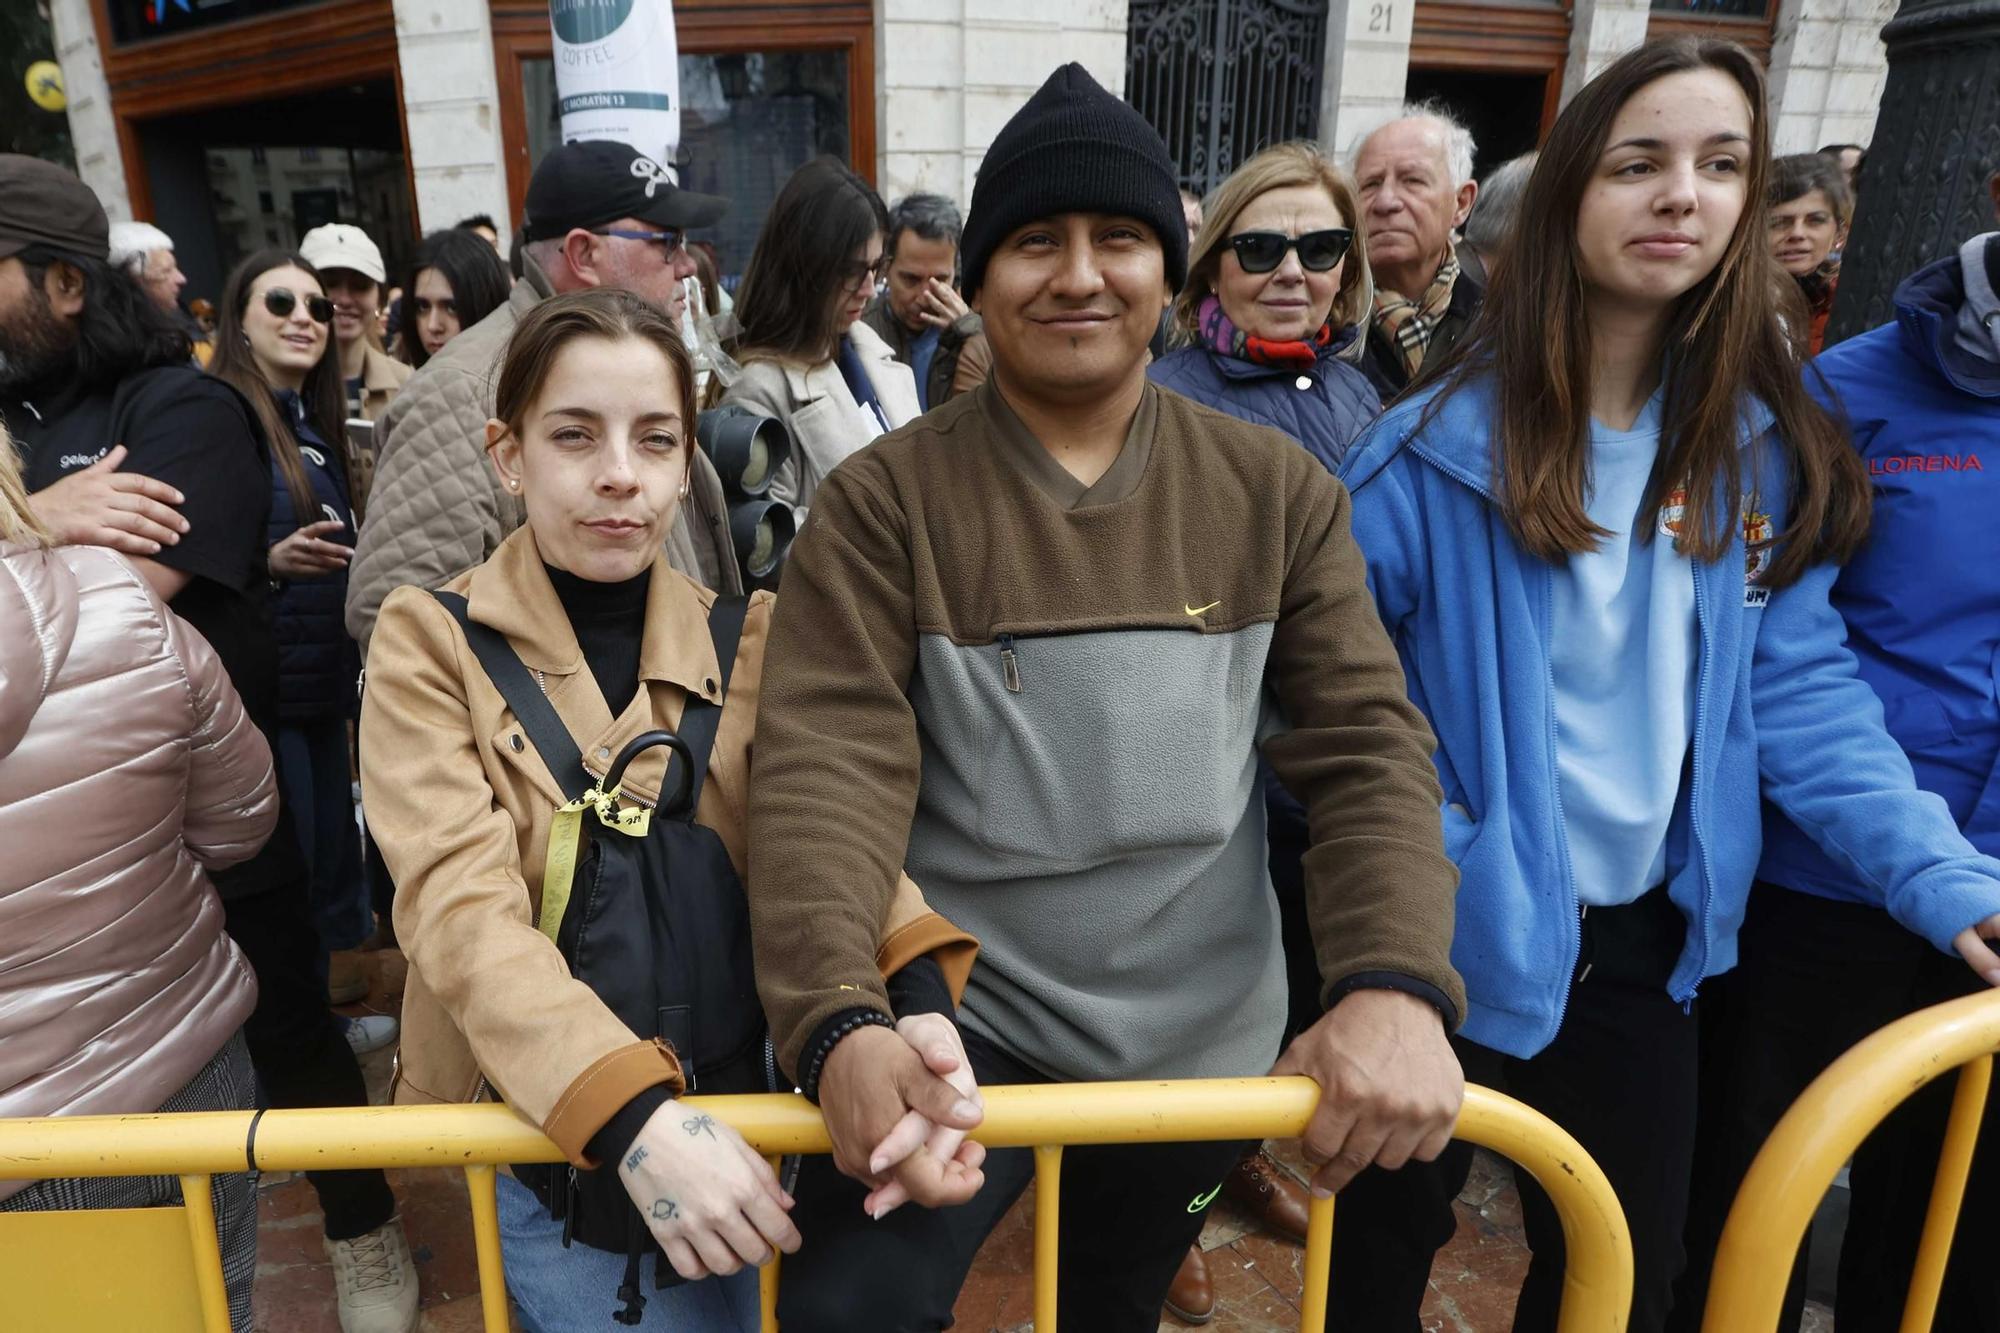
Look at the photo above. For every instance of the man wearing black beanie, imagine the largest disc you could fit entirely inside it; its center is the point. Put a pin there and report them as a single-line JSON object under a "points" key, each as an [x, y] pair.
{"points": [[1027, 648]]}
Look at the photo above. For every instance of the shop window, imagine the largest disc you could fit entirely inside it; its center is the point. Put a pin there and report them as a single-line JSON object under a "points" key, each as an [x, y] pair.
{"points": [[143, 20], [748, 120]]}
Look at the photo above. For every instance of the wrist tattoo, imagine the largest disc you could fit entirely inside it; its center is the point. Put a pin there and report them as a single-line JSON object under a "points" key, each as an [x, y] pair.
{"points": [[665, 1210], [699, 1125], [632, 1162]]}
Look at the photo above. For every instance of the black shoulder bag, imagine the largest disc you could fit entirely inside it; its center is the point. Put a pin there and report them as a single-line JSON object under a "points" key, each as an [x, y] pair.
{"points": [[656, 923]]}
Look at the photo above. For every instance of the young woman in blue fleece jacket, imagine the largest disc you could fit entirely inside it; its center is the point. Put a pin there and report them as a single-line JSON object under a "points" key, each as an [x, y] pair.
{"points": [[1603, 542]]}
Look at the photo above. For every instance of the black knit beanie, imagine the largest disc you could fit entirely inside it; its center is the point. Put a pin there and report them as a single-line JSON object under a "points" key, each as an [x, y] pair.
{"points": [[1074, 148]]}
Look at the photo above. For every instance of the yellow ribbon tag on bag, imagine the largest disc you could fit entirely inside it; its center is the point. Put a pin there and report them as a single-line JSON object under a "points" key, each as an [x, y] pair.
{"points": [[566, 834]]}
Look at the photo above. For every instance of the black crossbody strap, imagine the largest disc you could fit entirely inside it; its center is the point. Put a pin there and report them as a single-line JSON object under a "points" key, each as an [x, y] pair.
{"points": [[699, 718], [517, 686]]}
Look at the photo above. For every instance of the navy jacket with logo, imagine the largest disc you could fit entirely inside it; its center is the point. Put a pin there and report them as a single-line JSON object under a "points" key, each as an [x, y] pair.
{"points": [[1922, 598]]}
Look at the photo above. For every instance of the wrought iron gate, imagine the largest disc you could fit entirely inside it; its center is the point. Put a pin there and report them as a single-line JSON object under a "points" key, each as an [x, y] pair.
{"points": [[1221, 79]]}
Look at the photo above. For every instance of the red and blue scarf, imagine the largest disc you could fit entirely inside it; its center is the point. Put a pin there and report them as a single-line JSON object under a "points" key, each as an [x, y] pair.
{"points": [[1219, 333]]}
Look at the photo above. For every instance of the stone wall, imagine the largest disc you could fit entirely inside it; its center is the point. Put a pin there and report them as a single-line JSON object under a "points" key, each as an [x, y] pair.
{"points": [[451, 109], [92, 129], [949, 74], [1828, 69]]}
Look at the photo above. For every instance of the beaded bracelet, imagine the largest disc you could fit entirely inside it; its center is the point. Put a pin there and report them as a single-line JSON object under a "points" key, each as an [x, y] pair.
{"points": [[860, 1018]]}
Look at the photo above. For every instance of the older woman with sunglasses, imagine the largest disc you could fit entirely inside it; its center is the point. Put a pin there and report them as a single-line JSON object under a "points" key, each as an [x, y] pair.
{"points": [[1272, 319], [275, 344], [1272, 315], [807, 357]]}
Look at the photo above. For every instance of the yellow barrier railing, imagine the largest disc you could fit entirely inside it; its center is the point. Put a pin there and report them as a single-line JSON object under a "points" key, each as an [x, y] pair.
{"points": [[1797, 1164], [1597, 1293]]}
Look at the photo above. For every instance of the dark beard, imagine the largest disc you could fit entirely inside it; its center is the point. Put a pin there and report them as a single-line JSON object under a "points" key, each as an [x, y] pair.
{"points": [[35, 346]]}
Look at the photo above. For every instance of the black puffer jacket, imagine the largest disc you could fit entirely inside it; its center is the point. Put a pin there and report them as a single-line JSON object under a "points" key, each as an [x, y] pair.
{"points": [[318, 663]]}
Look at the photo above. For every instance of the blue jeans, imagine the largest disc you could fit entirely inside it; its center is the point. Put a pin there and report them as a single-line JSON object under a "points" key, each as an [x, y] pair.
{"points": [[567, 1291]]}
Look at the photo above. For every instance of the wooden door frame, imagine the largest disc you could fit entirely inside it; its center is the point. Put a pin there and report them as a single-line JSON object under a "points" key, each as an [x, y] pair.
{"points": [[701, 27], [1495, 38]]}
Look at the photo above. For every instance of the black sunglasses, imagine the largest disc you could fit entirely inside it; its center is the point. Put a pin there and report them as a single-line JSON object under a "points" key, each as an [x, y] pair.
{"points": [[282, 301], [1262, 251], [856, 271]]}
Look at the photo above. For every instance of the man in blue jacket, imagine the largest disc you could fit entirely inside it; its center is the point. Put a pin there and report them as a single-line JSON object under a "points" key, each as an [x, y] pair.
{"points": [[1820, 966]]}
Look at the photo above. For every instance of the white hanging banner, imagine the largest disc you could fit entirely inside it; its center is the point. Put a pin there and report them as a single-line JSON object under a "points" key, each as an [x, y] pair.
{"points": [[618, 73]]}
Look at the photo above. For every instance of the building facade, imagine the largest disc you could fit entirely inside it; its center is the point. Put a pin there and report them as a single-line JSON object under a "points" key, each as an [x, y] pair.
{"points": [[239, 123]]}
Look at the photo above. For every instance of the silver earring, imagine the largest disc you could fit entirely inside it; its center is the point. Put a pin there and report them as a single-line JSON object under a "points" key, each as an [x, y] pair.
{"points": [[513, 485]]}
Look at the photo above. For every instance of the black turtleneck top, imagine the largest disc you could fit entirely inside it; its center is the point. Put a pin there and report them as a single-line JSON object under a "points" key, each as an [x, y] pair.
{"points": [[610, 624]]}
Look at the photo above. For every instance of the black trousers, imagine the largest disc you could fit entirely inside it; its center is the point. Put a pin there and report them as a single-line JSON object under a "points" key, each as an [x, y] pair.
{"points": [[1129, 1213], [1620, 1076], [1813, 978], [300, 1054]]}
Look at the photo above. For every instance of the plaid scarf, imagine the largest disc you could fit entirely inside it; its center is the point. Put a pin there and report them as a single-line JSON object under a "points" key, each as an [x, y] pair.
{"points": [[1410, 324], [1219, 333]]}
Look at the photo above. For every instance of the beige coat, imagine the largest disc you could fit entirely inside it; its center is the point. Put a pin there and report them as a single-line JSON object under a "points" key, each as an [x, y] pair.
{"points": [[826, 424], [127, 766], [382, 378], [462, 805], [436, 507]]}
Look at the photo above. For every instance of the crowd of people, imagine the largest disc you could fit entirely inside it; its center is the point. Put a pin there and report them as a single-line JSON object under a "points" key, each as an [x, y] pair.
{"points": [[1366, 623]]}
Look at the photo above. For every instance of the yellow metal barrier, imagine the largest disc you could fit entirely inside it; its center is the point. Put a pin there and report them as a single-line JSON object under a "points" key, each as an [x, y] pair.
{"points": [[1784, 1186], [1597, 1286]]}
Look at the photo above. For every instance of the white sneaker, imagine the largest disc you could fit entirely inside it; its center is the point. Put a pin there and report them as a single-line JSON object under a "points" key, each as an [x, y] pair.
{"points": [[371, 1033], [375, 1281]]}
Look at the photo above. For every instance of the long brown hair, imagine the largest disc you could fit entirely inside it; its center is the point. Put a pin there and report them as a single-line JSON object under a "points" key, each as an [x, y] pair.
{"points": [[324, 394], [1277, 167], [794, 284], [1724, 345]]}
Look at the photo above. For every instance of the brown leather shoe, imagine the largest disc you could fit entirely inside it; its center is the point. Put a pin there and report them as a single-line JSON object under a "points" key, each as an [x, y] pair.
{"points": [[1192, 1297], [1268, 1193]]}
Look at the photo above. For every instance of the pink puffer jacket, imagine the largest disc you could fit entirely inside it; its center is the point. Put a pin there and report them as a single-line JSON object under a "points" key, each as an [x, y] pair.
{"points": [[126, 766]]}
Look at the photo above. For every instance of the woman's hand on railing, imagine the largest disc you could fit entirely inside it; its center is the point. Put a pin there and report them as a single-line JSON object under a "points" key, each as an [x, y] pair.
{"points": [[872, 1080], [709, 1199], [936, 1039], [1390, 1085]]}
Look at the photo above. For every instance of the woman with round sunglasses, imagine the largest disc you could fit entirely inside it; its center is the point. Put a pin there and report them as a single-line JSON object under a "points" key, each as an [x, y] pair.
{"points": [[1271, 323], [275, 344], [807, 358]]}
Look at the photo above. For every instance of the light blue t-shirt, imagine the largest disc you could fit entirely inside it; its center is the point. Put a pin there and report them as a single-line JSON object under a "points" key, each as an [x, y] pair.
{"points": [[1623, 646]]}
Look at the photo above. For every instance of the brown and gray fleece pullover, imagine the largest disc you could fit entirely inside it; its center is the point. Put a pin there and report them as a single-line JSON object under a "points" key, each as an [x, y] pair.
{"points": [[1046, 700]]}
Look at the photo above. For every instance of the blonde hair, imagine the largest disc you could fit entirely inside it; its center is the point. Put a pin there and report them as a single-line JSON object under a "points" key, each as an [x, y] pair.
{"points": [[1276, 168], [18, 520]]}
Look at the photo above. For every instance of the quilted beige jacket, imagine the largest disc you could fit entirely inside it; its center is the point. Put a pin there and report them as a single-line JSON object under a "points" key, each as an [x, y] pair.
{"points": [[437, 508], [127, 767]]}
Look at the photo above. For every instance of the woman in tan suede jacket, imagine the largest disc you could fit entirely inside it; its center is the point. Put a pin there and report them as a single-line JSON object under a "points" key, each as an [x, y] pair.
{"points": [[463, 806]]}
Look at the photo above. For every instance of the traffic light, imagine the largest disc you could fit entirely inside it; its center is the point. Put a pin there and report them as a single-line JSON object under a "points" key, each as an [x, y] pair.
{"points": [[747, 449]]}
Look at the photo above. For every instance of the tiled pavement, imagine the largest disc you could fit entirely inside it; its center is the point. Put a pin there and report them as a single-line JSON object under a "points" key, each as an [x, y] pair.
{"points": [[1257, 1277]]}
